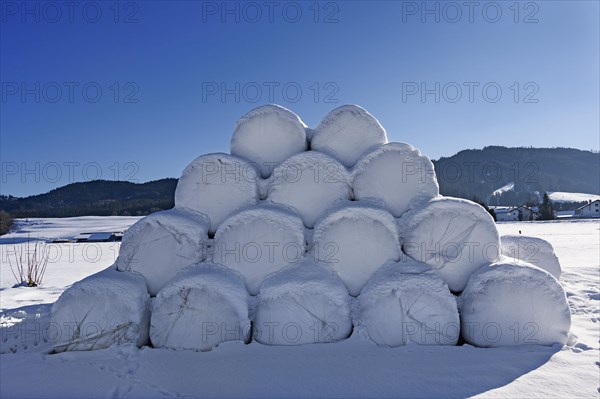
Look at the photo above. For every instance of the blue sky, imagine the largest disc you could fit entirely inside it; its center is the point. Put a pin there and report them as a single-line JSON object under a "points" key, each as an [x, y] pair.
{"points": [[136, 90]]}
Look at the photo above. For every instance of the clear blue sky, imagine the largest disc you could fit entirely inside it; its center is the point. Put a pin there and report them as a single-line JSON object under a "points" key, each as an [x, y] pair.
{"points": [[169, 58]]}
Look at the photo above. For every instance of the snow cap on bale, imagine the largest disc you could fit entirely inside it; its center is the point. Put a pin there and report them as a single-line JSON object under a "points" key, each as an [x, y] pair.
{"points": [[203, 306], [346, 133], [310, 182], [407, 302], [104, 309], [355, 238], [532, 250], [258, 241], [162, 243], [514, 303], [396, 173], [454, 236], [267, 136], [217, 185], [302, 304]]}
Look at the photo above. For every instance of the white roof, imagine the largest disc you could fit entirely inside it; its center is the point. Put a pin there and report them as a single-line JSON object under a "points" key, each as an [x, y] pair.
{"points": [[99, 236]]}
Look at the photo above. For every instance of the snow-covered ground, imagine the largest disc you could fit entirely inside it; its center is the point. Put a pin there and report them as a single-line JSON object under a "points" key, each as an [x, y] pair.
{"points": [[555, 196], [350, 368], [561, 196], [67, 262], [508, 187]]}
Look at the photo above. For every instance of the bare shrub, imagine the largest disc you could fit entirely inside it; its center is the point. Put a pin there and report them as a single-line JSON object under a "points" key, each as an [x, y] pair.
{"points": [[30, 262]]}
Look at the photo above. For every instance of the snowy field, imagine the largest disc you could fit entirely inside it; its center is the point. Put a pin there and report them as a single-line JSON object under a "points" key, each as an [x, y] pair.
{"points": [[351, 368], [559, 196]]}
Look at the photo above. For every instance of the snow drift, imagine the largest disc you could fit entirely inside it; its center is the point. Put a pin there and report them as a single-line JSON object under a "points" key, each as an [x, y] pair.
{"points": [[302, 304], [106, 308], [258, 241], [396, 173], [531, 250], [310, 182], [346, 133], [217, 185], [454, 236], [203, 306], [355, 239], [408, 303], [267, 136], [514, 303], [161, 244]]}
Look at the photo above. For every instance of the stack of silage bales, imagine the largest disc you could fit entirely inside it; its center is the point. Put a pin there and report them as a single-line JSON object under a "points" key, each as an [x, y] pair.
{"points": [[300, 238]]}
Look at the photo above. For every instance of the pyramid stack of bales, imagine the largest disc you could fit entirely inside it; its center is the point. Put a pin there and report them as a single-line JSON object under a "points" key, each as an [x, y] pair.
{"points": [[304, 235]]}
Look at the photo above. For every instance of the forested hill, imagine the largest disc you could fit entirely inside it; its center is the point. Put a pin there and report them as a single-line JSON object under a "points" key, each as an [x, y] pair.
{"points": [[468, 174], [479, 173], [97, 198]]}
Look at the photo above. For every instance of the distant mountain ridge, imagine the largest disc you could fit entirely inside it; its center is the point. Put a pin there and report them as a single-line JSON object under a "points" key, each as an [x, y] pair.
{"points": [[95, 198], [518, 174]]}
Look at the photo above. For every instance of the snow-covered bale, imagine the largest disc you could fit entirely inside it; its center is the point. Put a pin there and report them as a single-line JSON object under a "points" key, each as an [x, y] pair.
{"points": [[162, 243], [396, 173], [531, 250], [355, 239], [201, 307], [107, 308], [259, 241], [452, 235], [408, 303], [514, 303], [310, 182], [302, 304], [217, 185], [346, 133], [267, 136]]}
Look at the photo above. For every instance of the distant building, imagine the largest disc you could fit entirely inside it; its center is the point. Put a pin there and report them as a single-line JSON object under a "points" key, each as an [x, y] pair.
{"points": [[515, 213], [564, 214], [506, 214], [526, 213], [589, 210], [104, 237], [99, 237]]}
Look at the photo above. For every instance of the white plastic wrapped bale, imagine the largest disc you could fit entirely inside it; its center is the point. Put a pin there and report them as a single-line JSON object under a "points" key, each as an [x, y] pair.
{"points": [[268, 135], [104, 309], [531, 250], [346, 133], [203, 306], [355, 239], [514, 303], [259, 241], [217, 185], [303, 304], [162, 243], [398, 174], [408, 303], [310, 182], [454, 236]]}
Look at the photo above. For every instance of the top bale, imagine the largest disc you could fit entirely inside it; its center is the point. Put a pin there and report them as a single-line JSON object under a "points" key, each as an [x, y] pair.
{"points": [[346, 133], [267, 136]]}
